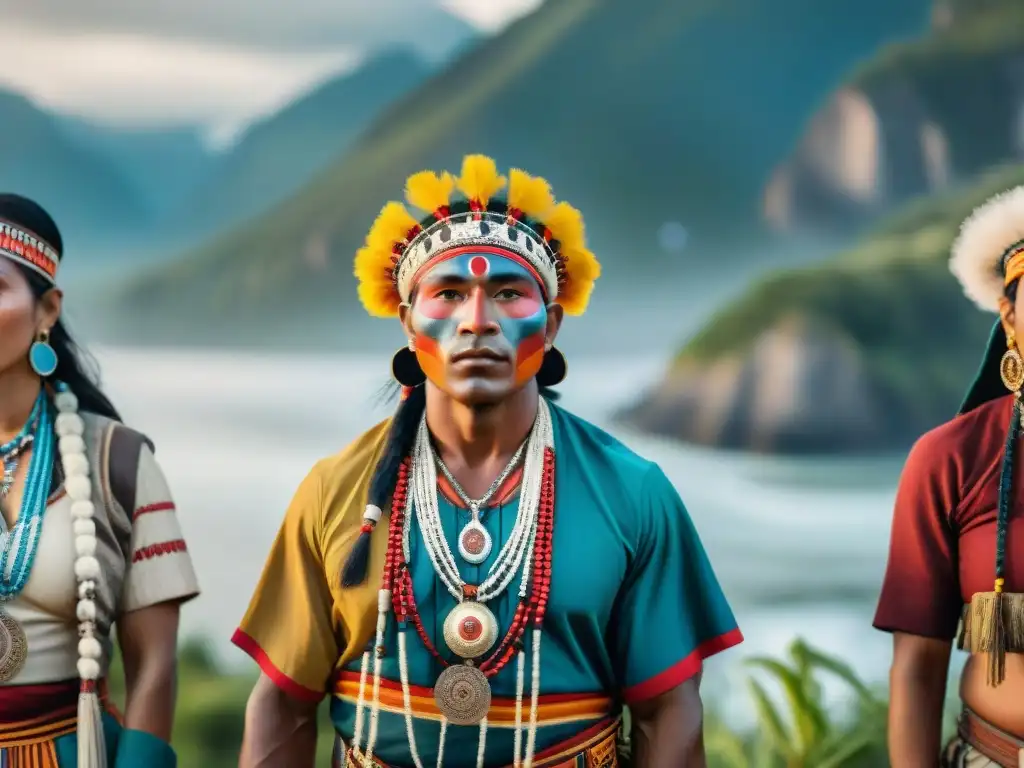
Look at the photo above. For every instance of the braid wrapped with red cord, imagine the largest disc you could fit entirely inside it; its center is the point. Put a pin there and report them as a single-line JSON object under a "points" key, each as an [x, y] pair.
{"points": [[385, 478]]}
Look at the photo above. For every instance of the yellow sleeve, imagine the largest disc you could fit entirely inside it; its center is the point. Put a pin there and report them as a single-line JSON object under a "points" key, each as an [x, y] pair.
{"points": [[289, 628]]}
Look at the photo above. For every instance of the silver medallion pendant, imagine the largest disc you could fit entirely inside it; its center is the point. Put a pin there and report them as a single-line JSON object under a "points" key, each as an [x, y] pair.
{"points": [[13, 647], [474, 542], [463, 694]]}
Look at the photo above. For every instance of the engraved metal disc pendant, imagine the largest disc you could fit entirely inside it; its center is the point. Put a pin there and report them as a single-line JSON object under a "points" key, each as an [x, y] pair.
{"points": [[474, 543], [470, 630], [463, 694], [13, 647]]}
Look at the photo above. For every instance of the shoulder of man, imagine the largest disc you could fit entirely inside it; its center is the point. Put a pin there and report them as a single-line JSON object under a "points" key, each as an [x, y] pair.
{"points": [[616, 463], [344, 478]]}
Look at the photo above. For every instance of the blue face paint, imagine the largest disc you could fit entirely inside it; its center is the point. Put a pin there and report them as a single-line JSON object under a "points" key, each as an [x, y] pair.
{"points": [[483, 304]]}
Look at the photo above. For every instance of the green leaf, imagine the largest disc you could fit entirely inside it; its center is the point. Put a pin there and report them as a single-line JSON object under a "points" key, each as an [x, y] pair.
{"points": [[843, 671], [808, 717], [771, 724]]}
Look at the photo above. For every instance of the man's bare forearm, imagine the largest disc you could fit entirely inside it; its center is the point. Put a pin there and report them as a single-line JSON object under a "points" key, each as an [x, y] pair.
{"points": [[279, 732], [915, 720], [668, 731]]}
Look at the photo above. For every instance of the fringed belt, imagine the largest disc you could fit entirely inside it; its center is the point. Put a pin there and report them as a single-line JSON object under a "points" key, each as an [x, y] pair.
{"points": [[993, 623], [995, 744], [596, 747]]}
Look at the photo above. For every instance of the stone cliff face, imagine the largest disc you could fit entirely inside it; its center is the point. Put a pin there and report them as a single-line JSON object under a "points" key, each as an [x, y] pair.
{"points": [[911, 128], [798, 389]]}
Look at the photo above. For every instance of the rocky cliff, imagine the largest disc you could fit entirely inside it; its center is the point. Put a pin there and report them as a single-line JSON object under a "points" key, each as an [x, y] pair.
{"points": [[919, 116], [861, 353]]}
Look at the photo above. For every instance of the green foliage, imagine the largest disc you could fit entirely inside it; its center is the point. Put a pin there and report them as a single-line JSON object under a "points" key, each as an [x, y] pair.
{"points": [[891, 299], [958, 75]]}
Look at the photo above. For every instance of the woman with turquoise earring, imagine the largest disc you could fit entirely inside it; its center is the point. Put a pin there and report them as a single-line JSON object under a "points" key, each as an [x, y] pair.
{"points": [[89, 538]]}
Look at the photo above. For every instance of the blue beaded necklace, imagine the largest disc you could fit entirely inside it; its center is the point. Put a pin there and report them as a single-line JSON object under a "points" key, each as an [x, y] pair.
{"points": [[14, 447], [18, 546]]}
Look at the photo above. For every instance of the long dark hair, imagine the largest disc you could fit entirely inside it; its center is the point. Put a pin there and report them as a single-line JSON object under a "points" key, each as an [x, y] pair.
{"points": [[75, 367]]}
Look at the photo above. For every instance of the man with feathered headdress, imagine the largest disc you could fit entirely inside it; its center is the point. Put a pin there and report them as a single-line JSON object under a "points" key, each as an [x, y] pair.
{"points": [[484, 579], [956, 559]]}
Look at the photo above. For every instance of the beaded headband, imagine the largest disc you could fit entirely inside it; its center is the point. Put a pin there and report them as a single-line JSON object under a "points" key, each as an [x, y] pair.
{"points": [[528, 226], [988, 254], [26, 248]]}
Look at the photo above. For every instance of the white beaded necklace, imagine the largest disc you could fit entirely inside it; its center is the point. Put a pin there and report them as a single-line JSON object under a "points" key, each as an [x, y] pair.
{"points": [[428, 515], [517, 551]]}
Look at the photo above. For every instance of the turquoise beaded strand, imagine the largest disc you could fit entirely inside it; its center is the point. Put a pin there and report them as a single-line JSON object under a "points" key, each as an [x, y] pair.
{"points": [[19, 545]]}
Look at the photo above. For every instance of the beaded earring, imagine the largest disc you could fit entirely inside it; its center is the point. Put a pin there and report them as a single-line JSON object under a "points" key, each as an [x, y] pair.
{"points": [[41, 356]]}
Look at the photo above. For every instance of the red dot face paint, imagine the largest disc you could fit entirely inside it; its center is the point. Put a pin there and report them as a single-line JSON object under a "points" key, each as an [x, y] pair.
{"points": [[479, 266], [484, 303]]}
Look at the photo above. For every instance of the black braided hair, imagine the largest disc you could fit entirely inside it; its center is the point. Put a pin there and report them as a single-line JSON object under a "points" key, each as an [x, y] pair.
{"points": [[1006, 489], [1006, 475], [399, 445]]}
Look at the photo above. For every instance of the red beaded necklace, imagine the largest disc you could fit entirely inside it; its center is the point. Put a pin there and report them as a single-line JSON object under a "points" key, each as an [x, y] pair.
{"points": [[530, 609]]}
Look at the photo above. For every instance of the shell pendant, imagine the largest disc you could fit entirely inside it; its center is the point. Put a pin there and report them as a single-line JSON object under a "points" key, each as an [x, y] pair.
{"points": [[474, 542]]}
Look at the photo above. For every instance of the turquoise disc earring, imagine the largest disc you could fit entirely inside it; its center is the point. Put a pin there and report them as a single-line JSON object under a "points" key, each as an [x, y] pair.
{"points": [[41, 356]]}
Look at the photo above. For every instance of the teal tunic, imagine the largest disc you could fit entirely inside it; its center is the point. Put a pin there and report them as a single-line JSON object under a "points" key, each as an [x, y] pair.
{"points": [[634, 607]]}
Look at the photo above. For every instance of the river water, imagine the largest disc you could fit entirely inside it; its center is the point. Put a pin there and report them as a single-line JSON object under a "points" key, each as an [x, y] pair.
{"points": [[799, 545]]}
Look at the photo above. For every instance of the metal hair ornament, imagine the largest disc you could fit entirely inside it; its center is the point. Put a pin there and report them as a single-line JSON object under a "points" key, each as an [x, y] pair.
{"points": [[528, 226]]}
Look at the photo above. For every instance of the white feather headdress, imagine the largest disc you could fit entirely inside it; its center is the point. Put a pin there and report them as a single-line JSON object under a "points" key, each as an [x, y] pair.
{"points": [[985, 236]]}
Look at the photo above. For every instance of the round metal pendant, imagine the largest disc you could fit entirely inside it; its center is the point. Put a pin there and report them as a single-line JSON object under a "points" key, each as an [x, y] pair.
{"points": [[13, 647], [474, 543], [470, 630], [463, 694]]}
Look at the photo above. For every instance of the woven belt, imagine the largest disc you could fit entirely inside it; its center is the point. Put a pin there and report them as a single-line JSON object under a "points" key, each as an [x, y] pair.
{"points": [[596, 747], [998, 746]]}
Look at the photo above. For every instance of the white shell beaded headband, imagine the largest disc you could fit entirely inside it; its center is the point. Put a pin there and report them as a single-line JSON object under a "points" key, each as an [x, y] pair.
{"points": [[481, 228]]}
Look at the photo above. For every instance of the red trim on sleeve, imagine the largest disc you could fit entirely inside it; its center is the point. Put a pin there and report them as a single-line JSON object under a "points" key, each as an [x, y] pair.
{"points": [[159, 549], [161, 506], [279, 678], [683, 670]]}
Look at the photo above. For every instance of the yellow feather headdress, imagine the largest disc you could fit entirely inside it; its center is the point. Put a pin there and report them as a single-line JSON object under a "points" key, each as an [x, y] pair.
{"points": [[547, 236]]}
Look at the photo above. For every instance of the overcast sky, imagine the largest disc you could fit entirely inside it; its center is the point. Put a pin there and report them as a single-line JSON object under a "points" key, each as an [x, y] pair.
{"points": [[218, 63]]}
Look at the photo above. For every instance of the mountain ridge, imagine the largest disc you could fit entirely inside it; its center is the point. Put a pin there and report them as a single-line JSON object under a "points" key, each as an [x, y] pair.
{"points": [[597, 75]]}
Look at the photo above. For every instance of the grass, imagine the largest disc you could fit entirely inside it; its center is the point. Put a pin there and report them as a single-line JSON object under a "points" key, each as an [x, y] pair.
{"points": [[795, 727]]}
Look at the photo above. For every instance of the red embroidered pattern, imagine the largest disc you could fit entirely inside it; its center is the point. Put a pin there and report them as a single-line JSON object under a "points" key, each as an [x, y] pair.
{"points": [[160, 506], [159, 549]]}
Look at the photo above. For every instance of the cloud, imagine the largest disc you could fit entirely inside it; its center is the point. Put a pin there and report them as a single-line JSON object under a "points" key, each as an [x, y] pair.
{"points": [[216, 64], [131, 79], [492, 15], [267, 24]]}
